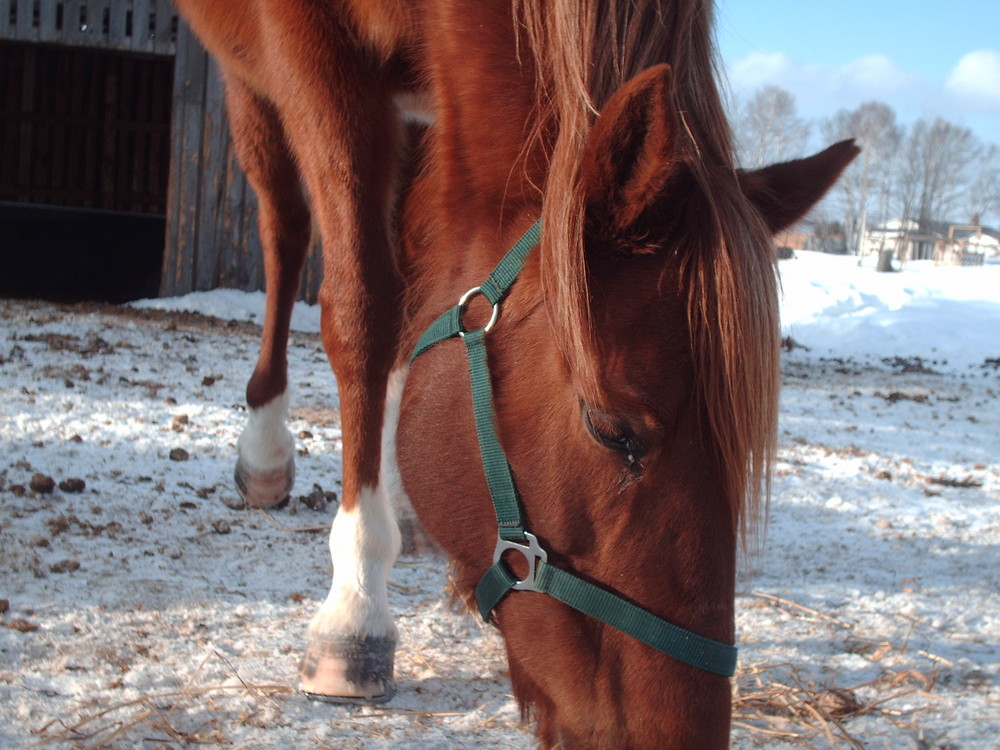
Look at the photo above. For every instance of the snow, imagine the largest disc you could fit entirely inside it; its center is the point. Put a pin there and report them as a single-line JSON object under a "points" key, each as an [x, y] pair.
{"points": [[945, 313], [143, 611], [230, 304]]}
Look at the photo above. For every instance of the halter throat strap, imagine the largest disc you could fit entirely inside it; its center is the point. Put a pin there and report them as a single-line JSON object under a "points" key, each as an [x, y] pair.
{"points": [[498, 581]]}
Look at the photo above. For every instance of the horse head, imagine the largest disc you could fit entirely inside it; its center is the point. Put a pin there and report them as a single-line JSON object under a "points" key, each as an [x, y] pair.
{"points": [[638, 475]]}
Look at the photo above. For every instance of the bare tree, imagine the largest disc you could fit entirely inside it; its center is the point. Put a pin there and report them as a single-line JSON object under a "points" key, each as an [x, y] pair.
{"points": [[935, 172], [906, 175], [769, 128], [983, 196], [863, 190]]}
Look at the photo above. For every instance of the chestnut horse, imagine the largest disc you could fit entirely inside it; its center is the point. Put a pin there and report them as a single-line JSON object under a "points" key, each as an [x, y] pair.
{"points": [[624, 399]]}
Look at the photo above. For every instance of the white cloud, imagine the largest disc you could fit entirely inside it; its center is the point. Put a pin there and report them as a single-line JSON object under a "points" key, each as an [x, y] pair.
{"points": [[822, 89], [976, 79], [759, 69], [969, 96], [875, 75], [868, 77]]}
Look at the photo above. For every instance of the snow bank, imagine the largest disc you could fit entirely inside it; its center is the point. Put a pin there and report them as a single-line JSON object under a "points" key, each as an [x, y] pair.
{"points": [[840, 309], [231, 304], [830, 303]]}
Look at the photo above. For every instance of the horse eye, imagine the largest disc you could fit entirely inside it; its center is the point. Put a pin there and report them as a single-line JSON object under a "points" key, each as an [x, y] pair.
{"points": [[614, 435]]}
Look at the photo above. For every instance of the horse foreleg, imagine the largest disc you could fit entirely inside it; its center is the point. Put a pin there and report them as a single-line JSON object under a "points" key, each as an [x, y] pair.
{"points": [[347, 139], [352, 639], [265, 469]]}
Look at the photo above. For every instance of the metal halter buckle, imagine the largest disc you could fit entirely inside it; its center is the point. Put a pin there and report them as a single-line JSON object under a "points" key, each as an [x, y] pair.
{"points": [[465, 301], [532, 552]]}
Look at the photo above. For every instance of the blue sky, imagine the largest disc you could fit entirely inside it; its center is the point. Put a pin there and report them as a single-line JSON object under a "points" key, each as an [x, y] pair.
{"points": [[923, 59]]}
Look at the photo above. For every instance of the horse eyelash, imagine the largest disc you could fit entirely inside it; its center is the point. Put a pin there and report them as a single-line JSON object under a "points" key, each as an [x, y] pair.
{"points": [[625, 442]]}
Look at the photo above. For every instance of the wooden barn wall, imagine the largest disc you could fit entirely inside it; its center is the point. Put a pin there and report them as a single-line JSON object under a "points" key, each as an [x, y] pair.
{"points": [[211, 212], [212, 237], [134, 25], [84, 128]]}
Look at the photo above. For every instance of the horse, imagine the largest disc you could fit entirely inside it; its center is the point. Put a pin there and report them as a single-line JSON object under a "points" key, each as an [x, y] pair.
{"points": [[610, 383]]}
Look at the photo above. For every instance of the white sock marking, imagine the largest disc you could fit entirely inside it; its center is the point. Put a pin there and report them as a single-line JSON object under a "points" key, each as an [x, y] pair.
{"points": [[266, 442], [365, 542]]}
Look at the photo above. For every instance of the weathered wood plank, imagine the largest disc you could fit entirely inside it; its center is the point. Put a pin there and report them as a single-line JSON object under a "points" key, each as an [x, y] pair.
{"points": [[11, 71], [142, 138], [92, 27], [10, 77], [117, 38], [166, 20], [6, 32], [141, 23], [160, 140], [217, 238], [66, 74], [183, 191], [124, 155], [77, 96], [25, 28], [27, 108], [69, 33], [212, 215], [109, 136], [235, 267], [42, 124], [47, 17], [93, 107]]}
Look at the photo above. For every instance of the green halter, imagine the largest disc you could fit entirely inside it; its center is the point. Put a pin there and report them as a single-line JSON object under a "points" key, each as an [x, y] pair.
{"points": [[498, 581]]}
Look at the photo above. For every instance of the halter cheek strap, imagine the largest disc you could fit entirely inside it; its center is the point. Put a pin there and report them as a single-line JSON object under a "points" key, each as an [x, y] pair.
{"points": [[605, 606]]}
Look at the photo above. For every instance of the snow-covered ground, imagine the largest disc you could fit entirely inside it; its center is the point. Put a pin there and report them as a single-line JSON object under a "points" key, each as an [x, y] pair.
{"points": [[139, 610]]}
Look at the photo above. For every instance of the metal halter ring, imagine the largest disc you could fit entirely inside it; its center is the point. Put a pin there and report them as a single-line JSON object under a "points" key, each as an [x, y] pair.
{"points": [[461, 309], [532, 552]]}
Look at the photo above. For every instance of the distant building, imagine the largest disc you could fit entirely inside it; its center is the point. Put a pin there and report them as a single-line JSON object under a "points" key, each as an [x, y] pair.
{"points": [[945, 244], [818, 237], [968, 246]]}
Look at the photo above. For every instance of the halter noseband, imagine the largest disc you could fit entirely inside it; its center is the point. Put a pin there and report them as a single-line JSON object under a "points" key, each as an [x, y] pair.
{"points": [[605, 606]]}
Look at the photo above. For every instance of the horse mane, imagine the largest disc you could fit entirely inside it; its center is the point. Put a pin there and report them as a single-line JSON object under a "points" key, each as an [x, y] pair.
{"points": [[584, 50]]}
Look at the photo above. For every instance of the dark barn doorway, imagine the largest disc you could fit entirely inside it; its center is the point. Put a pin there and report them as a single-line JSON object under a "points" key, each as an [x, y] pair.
{"points": [[84, 168]]}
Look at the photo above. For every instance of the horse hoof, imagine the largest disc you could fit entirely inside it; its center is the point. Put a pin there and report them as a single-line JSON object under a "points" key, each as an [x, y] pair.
{"points": [[351, 669], [264, 489]]}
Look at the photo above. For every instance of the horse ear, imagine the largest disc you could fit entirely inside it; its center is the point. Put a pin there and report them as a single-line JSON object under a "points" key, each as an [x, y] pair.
{"points": [[784, 193], [628, 160]]}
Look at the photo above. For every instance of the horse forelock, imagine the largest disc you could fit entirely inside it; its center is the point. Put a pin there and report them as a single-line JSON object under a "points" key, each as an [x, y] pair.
{"points": [[731, 285], [583, 51]]}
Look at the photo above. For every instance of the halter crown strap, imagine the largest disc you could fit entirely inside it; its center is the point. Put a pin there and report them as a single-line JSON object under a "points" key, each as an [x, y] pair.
{"points": [[494, 289], [498, 581]]}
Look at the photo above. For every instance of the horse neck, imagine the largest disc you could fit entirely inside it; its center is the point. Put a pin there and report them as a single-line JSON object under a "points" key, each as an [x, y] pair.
{"points": [[485, 86], [452, 235]]}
